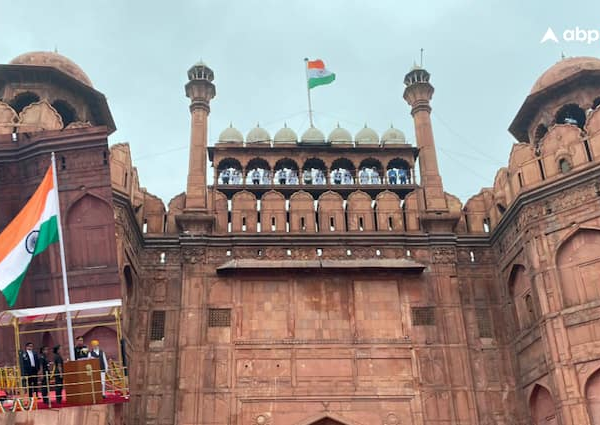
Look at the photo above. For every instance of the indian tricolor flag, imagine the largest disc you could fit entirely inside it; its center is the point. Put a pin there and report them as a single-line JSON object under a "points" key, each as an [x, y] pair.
{"points": [[317, 74], [30, 233]]}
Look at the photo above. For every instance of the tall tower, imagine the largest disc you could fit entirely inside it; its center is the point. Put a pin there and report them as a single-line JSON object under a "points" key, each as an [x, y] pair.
{"points": [[200, 90], [418, 93]]}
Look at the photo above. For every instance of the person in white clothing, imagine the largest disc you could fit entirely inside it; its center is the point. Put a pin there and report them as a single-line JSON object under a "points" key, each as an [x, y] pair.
{"points": [[97, 353]]}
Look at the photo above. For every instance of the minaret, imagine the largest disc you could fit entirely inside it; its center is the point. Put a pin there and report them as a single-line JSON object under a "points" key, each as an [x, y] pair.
{"points": [[200, 90], [418, 93]]}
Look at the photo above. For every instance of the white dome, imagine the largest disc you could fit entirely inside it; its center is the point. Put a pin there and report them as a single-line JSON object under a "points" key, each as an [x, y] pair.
{"points": [[393, 136], [313, 135], [258, 135], [231, 135], [367, 136], [285, 135], [340, 136]]}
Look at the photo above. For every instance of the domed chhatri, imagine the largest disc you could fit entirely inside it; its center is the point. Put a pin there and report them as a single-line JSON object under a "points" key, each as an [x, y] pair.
{"points": [[366, 136], [565, 69], [313, 135], [285, 135], [393, 136], [231, 135], [340, 136], [201, 71], [258, 135], [53, 60]]}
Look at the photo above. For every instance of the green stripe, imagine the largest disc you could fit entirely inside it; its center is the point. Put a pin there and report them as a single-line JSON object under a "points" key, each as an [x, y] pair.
{"points": [[12, 290], [47, 236], [314, 82]]}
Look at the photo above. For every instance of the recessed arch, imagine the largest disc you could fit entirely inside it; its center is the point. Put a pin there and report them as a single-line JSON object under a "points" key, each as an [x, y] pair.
{"points": [[541, 406], [333, 418], [592, 396], [20, 101], [571, 113], [89, 229], [229, 163], [370, 171], [258, 171], [258, 163], [578, 263]]}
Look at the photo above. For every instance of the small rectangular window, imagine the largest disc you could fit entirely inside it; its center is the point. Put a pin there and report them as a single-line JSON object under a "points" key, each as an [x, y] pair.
{"points": [[331, 224], [302, 223], [157, 325], [520, 179], [390, 223], [361, 224], [273, 226], [219, 317], [243, 224], [423, 316]]}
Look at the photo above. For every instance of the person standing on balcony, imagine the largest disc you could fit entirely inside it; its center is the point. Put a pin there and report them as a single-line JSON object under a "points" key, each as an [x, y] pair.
{"points": [[97, 353]]}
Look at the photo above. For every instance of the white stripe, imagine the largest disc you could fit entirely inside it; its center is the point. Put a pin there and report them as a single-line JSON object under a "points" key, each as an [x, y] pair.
{"points": [[318, 73], [17, 260]]}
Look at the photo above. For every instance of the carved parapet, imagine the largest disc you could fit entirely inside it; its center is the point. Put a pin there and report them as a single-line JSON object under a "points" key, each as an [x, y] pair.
{"points": [[198, 222]]}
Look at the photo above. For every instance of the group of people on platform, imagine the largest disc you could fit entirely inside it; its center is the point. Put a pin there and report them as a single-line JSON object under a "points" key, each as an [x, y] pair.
{"points": [[288, 176], [38, 369]]}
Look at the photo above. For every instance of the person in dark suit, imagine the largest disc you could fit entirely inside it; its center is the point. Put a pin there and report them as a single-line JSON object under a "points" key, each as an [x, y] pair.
{"points": [[30, 366], [58, 373], [81, 350], [45, 364]]}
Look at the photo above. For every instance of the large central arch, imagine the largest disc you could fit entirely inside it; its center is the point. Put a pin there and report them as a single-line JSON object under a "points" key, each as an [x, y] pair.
{"points": [[327, 419]]}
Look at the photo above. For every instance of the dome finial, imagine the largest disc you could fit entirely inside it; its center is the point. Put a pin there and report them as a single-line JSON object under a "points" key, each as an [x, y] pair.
{"points": [[284, 124]]}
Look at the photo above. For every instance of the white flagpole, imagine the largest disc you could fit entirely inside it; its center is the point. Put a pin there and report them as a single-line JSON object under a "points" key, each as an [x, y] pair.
{"points": [[308, 89], [63, 264]]}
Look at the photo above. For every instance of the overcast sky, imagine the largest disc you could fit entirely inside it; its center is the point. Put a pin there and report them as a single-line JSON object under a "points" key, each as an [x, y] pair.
{"points": [[483, 56]]}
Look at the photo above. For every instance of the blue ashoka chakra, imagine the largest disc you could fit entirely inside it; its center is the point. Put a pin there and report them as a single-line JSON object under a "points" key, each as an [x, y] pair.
{"points": [[31, 241]]}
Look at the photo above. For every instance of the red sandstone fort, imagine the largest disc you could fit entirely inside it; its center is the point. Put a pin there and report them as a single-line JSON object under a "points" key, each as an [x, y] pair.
{"points": [[321, 280]]}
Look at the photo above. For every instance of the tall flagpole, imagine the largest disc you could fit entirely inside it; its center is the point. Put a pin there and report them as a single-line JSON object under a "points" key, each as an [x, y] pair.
{"points": [[63, 265], [308, 91]]}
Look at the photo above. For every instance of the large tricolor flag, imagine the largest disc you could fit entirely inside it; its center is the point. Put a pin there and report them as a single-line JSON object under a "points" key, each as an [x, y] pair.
{"points": [[30, 233], [318, 75]]}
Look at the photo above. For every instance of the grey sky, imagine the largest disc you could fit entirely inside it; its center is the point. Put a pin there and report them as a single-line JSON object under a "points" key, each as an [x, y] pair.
{"points": [[483, 56]]}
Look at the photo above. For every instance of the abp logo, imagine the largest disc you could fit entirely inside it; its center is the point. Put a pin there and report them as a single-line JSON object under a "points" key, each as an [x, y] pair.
{"points": [[576, 34]]}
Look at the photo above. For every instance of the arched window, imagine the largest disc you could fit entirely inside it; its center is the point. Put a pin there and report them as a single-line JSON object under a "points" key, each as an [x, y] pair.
{"points": [[571, 114], [398, 172], [564, 165], [258, 171], [22, 100], [520, 292], [66, 111], [286, 172], [314, 171], [229, 171], [342, 171], [370, 171]]}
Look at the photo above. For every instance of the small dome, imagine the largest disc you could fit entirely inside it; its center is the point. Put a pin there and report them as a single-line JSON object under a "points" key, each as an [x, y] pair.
{"points": [[285, 135], [313, 135], [258, 135], [393, 136], [340, 136], [231, 135], [53, 60], [565, 69], [367, 136]]}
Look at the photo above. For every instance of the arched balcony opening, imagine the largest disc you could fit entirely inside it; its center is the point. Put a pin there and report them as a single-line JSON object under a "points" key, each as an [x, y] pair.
{"points": [[564, 165], [571, 114], [342, 171], [398, 172], [66, 111], [258, 171], [286, 172], [596, 103], [370, 171], [314, 171], [229, 171], [540, 132], [22, 100]]}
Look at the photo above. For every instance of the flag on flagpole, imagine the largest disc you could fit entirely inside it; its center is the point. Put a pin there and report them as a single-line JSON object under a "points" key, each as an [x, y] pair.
{"points": [[29, 234], [318, 75]]}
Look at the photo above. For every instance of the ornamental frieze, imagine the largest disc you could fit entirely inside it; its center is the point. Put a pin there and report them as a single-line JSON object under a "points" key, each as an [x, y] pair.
{"points": [[443, 255], [193, 255]]}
